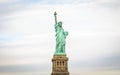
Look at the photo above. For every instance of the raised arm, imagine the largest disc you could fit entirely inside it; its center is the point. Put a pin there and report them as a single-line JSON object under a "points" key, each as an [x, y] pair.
{"points": [[55, 14]]}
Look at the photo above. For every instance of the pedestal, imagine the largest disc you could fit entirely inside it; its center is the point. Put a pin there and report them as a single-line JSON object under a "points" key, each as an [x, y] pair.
{"points": [[60, 65]]}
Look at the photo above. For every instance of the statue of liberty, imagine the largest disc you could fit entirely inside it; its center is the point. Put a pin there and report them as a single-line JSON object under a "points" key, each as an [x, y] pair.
{"points": [[60, 37]]}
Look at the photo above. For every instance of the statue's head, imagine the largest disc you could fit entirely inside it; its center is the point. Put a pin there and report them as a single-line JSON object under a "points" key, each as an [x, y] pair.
{"points": [[60, 24]]}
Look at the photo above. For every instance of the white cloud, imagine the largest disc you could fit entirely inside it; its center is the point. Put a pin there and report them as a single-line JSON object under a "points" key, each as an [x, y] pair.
{"points": [[6, 1]]}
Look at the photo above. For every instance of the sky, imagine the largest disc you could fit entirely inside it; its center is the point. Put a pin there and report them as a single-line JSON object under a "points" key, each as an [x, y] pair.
{"points": [[27, 36]]}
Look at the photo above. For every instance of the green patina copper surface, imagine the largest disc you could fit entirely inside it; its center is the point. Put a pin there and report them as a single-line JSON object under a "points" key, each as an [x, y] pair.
{"points": [[60, 37]]}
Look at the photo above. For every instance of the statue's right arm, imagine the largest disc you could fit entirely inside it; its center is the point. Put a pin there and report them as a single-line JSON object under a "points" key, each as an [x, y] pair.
{"points": [[55, 26], [55, 15], [55, 20]]}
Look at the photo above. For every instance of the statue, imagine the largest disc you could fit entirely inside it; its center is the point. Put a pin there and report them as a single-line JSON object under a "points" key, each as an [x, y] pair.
{"points": [[60, 37]]}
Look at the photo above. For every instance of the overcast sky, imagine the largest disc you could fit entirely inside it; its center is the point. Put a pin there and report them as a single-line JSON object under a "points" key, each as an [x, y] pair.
{"points": [[27, 36]]}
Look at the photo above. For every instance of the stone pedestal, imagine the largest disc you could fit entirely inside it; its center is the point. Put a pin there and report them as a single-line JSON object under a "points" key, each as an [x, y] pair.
{"points": [[60, 65]]}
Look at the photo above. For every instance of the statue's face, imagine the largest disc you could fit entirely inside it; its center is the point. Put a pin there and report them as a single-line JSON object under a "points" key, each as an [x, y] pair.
{"points": [[60, 24]]}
